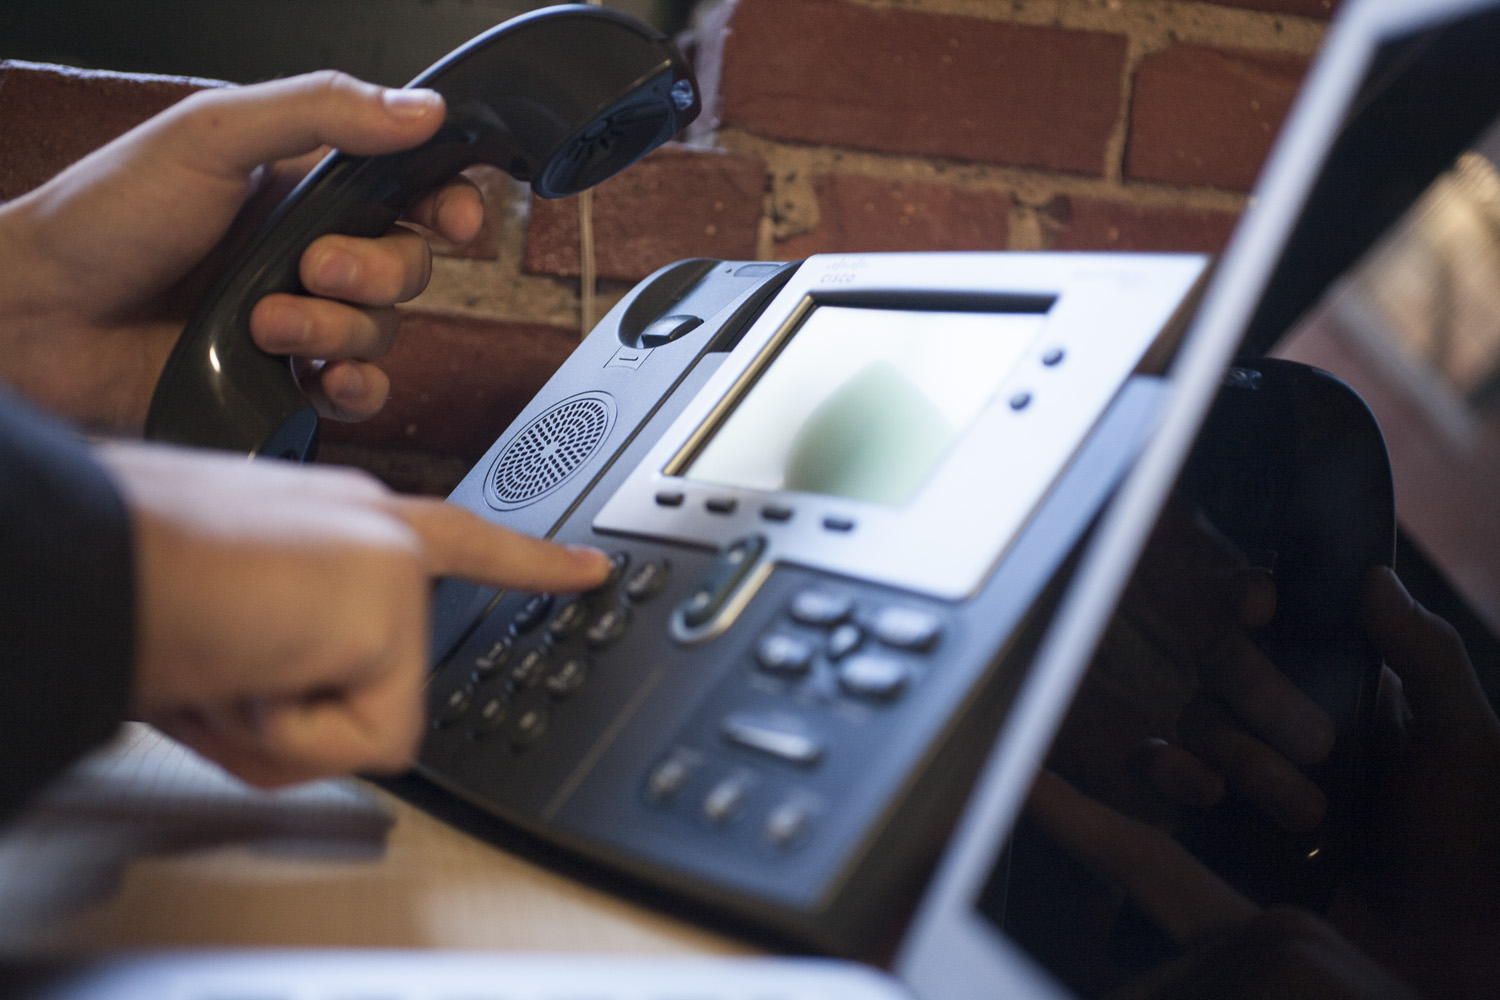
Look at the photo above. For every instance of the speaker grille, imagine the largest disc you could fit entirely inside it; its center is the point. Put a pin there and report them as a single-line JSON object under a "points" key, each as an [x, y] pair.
{"points": [[545, 452]]}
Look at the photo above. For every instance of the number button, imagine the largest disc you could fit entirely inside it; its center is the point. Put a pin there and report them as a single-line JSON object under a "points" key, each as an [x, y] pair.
{"points": [[649, 578], [608, 627], [528, 669], [568, 677], [531, 613]]}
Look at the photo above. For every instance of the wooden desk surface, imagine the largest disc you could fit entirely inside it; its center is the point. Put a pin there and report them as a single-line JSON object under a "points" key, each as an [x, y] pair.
{"points": [[147, 846]]}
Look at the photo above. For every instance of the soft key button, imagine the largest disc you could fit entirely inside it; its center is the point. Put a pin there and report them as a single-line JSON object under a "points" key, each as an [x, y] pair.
{"points": [[787, 655], [872, 675], [907, 628], [821, 608], [709, 597]]}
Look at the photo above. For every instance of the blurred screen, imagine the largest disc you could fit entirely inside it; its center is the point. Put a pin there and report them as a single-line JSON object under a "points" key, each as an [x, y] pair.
{"points": [[864, 403]]}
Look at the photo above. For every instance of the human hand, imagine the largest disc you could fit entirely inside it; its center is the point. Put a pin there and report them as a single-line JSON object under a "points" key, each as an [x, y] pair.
{"points": [[1230, 948], [282, 620], [1422, 888], [1211, 712], [1425, 883], [101, 266]]}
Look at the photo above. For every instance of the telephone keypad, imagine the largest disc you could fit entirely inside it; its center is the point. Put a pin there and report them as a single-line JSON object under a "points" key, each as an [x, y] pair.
{"points": [[829, 659], [508, 685]]}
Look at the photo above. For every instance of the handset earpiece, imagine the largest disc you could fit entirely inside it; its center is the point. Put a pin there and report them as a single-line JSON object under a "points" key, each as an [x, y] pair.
{"points": [[561, 98]]}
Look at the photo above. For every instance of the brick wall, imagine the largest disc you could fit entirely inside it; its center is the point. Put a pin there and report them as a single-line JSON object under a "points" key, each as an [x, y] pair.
{"points": [[831, 125]]}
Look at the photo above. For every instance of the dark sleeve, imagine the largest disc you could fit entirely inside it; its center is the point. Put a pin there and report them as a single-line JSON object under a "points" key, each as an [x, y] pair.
{"points": [[67, 602]]}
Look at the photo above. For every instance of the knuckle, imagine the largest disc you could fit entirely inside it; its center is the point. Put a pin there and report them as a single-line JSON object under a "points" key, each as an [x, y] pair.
{"points": [[332, 83]]}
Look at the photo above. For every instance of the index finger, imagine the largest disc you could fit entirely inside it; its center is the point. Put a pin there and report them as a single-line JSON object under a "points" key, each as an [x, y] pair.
{"points": [[233, 130], [1177, 890], [460, 543], [1429, 657]]}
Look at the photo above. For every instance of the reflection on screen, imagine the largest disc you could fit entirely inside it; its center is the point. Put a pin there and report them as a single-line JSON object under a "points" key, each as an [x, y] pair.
{"points": [[1414, 328], [864, 403]]}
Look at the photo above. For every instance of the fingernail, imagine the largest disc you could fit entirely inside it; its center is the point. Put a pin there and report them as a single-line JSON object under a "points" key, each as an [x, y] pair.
{"points": [[411, 103]]}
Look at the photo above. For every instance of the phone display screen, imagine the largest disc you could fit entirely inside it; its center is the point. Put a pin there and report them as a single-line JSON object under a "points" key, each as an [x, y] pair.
{"points": [[864, 403]]}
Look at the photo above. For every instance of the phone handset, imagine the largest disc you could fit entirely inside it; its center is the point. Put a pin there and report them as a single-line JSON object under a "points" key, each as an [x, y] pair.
{"points": [[562, 98], [1293, 468]]}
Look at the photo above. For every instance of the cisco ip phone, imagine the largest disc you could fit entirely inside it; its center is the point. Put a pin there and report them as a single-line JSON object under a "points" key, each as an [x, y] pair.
{"points": [[835, 492], [838, 495]]}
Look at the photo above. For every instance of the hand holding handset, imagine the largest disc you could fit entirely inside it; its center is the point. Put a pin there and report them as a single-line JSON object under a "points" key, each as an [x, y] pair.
{"points": [[1292, 467], [562, 98]]}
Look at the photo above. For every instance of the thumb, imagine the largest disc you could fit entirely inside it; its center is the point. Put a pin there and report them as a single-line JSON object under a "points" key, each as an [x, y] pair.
{"points": [[1427, 654], [232, 130]]}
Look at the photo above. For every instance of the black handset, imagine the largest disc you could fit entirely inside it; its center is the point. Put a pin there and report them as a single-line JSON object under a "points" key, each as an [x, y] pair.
{"points": [[562, 98], [1292, 467]]}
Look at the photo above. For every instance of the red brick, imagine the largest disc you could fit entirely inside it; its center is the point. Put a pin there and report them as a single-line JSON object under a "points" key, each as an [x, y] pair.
{"points": [[53, 115], [676, 203], [1207, 116], [1322, 9], [841, 74], [858, 214], [457, 382], [1082, 223]]}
